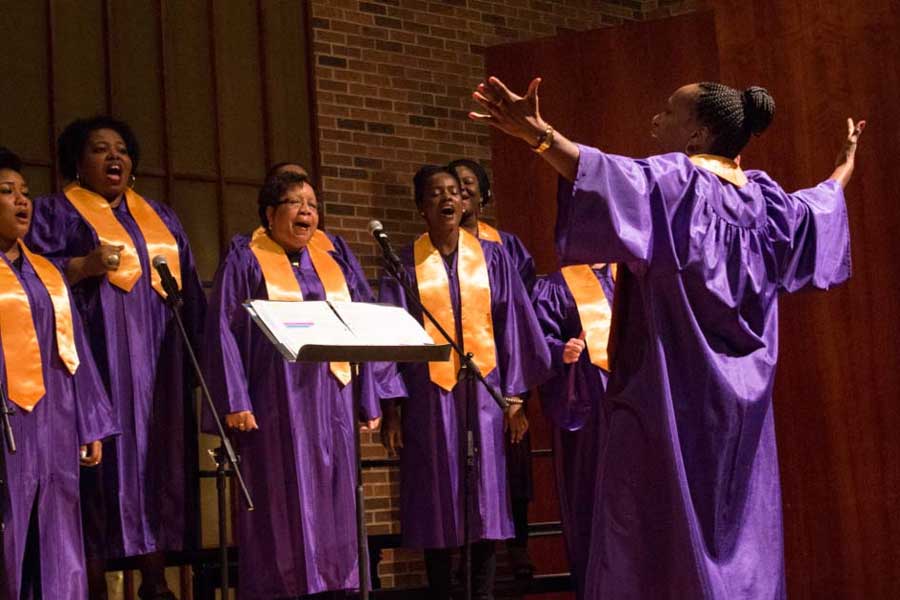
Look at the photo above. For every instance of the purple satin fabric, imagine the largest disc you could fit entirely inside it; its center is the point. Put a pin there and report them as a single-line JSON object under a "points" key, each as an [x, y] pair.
{"points": [[300, 465], [142, 498], [573, 399], [431, 512], [43, 474], [688, 500], [521, 259]]}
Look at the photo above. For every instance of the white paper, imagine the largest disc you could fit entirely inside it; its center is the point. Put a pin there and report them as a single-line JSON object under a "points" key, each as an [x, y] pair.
{"points": [[292, 325]]}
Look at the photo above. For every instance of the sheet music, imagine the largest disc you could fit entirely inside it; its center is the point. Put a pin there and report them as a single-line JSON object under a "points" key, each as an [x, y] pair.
{"points": [[292, 325], [381, 324]]}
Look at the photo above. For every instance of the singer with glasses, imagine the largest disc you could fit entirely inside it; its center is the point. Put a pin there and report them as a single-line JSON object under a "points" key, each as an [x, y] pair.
{"points": [[49, 379], [142, 500], [294, 422], [473, 288]]}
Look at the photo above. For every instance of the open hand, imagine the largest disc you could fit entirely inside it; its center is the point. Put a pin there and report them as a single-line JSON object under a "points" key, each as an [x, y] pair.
{"points": [[519, 116]]}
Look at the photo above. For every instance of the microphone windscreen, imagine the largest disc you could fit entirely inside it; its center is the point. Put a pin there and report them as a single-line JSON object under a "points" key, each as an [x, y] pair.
{"points": [[159, 260], [375, 226]]}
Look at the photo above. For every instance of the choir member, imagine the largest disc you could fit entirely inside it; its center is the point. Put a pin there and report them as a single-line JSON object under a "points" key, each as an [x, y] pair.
{"points": [[142, 501], [574, 308], [294, 422], [59, 403], [689, 498], [474, 290], [475, 190]]}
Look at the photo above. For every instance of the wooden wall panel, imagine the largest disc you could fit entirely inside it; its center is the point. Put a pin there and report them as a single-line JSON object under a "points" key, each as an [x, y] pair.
{"points": [[135, 76], [837, 412], [287, 83], [23, 63], [79, 61], [193, 98], [240, 95]]}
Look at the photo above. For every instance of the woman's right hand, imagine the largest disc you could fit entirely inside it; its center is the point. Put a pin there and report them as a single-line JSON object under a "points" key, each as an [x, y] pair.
{"points": [[241, 421], [391, 431], [573, 349], [98, 262]]}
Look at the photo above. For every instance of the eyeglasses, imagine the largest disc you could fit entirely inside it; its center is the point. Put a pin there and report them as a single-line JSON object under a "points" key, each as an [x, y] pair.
{"points": [[299, 203]]}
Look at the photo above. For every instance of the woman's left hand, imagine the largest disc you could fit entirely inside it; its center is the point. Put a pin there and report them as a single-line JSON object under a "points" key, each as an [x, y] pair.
{"points": [[370, 425], [516, 422], [91, 454]]}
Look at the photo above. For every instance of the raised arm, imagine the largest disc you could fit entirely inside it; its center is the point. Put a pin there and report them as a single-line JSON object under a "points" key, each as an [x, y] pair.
{"points": [[846, 158], [519, 116]]}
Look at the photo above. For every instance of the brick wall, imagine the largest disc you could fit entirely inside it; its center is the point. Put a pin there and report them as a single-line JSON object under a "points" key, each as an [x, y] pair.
{"points": [[393, 84]]}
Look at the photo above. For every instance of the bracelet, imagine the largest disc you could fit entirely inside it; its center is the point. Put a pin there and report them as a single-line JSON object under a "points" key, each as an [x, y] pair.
{"points": [[544, 141]]}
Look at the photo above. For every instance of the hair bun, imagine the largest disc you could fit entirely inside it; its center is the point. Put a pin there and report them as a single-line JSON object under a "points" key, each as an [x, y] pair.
{"points": [[759, 109]]}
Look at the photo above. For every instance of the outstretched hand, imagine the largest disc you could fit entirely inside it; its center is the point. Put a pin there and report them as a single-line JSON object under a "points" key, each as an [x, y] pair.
{"points": [[518, 116], [846, 158]]}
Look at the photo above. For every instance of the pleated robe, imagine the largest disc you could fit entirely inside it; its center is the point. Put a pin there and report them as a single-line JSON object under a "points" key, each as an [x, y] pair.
{"points": [[143, 497], [431, 461], [688, 496], [40, 481], [300, 465]]}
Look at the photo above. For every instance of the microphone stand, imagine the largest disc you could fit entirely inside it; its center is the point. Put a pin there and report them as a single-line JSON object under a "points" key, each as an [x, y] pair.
{"points": [[470, 374], [224, 455]]}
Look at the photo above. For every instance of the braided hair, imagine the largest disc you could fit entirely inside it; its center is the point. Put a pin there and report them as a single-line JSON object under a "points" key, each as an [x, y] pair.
{"points": [[732, 116]]}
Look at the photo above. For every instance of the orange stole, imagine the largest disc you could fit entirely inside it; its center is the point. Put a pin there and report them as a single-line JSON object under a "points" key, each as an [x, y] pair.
{"points": [[475, 309], [97, 212], [24, 374], [486, 232], [720, 166], [281, 284], [593, 310]]}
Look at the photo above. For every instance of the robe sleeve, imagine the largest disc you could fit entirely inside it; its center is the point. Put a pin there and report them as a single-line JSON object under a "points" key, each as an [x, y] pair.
{"points": [[553, 313], [522, 354], [57, 231], [607, 213], [222, 359], [391, 292], [810, 233], [521, 258], [94, 411]]}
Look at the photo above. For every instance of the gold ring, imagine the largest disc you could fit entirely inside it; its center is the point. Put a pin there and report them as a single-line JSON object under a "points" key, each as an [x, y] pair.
{"points": [[112, 260]]}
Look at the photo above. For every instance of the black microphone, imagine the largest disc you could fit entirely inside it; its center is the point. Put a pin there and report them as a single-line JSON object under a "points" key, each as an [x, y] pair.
{"points": [[168, 281], [377, 231]]}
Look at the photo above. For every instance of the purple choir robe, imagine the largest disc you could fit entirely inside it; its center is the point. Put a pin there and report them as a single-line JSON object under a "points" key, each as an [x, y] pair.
{"points": [[300, 466], [521, 259], [688, 501], [574, 401], [143, 497], [40, 481], [431, 463]]}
